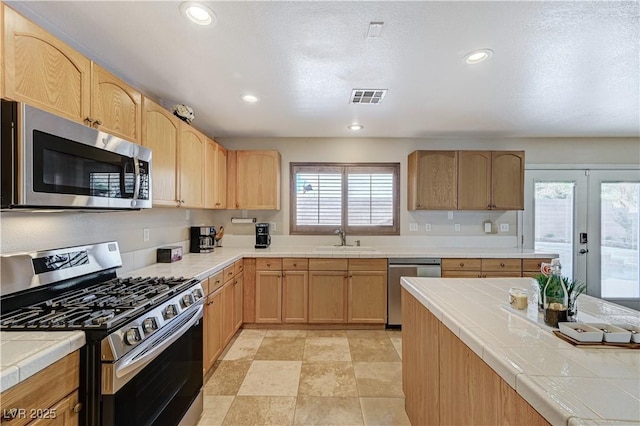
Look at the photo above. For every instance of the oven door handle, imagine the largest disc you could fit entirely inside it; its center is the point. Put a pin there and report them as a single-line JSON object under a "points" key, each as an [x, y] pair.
{"points": [[140, 358]]}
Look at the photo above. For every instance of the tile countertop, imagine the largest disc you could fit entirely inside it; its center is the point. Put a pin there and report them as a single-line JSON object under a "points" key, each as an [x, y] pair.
{"points": [[24, 353], [566, 384], [201, 265]]}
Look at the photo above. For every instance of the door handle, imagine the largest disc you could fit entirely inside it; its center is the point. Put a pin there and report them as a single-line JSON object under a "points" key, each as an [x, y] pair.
{"points": [[583, 251]]}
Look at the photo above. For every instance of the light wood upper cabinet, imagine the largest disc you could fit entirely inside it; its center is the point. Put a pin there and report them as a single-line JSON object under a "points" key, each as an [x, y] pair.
{"points": [[116, 107], [491, 180], [40, 70], [215, 175], [432, 180], [160, 132], [191, 154], [507, 180], [257, 180]]}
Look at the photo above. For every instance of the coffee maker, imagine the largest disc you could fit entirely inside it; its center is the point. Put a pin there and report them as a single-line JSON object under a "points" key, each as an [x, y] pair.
{"points": [[202, 239], [263, 239]]}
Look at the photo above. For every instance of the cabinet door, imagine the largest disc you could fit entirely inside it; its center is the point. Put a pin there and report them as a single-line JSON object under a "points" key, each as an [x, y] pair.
{"points": [[160, 130], [474, 180], [433, 180], [327, 297], [268, 297], [258, 180], [212, 342], [42, 71], [237, 301], [64, 413], [367, 297], [295, 296], [116, 107], [220, 185], [191, 155], [210, 173], [507, 180], [227, 312]]}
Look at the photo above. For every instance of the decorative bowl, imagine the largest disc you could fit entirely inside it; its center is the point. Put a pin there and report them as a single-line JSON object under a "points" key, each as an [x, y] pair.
{"points": [[613, 334], [581, 331]]}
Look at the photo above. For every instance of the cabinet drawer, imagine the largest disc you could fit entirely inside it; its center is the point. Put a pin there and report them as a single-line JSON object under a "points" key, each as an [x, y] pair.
{"points": [[269, 264], [511, 265], [461, 274], [533, 265], [461, 264], [238, 267], [229, 272], [215, 281], [367, 264], [328, 264], [295, 264]]}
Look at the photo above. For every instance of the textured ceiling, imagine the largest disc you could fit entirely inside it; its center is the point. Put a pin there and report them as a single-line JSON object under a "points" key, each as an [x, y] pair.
{"points": [[559, 68]]}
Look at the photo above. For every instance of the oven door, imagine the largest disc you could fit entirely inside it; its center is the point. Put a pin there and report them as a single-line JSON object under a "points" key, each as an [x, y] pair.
{"points": [[66, 164], [164, 389]]}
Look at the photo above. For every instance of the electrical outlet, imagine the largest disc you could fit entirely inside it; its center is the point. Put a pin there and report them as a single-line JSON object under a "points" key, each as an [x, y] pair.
{"points": [[504, 227], [450, 215], [427, 227], [413, 227], [272, 226], [456, 227], [145, 234]]}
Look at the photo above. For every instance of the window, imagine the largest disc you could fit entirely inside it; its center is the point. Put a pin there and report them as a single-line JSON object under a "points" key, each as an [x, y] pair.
{"points": [[360, 198]]}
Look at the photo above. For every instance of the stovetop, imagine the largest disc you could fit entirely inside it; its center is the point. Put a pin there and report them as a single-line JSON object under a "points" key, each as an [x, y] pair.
{"points": [[98, 306]]}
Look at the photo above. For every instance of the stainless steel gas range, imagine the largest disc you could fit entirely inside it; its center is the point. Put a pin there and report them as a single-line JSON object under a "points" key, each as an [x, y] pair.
{"points": [[142, 364]]}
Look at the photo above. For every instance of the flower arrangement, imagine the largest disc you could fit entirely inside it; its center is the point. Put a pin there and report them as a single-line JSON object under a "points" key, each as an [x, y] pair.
{"points": [[574, 289], [183, 112]]}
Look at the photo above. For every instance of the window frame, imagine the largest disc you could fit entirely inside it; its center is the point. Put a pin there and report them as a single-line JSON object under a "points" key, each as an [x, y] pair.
{"points": [[295, 229]]}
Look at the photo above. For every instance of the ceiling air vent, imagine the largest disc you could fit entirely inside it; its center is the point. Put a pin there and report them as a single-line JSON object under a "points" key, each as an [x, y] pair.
{"points": [[367, 96]]}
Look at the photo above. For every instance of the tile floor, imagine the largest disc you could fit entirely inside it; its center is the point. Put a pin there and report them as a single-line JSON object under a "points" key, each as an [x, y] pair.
{"points": [[307, 377]]}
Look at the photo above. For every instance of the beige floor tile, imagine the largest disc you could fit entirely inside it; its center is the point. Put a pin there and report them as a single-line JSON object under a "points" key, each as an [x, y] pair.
{"points": [[379, 378], [372, 349], [377, 334], [317, 410], [272, 378], [215, 409], [326, 333], [242, 349], [397, 343], [286, 333], [384, 412], [252, 332], [261, 410], [281, 349], [227, 377], [327, 379], [327, 349]]}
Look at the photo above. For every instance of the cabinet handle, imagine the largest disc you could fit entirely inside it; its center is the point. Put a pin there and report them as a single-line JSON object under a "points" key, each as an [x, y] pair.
{"points": [[502, 265], [237, 205], [268, 265], [235, 282], [88, 120], [97, 123], [346, 276], [284, 274], [489, 206], [295, 264], [461, 264], [418, 205], [77, 408]]}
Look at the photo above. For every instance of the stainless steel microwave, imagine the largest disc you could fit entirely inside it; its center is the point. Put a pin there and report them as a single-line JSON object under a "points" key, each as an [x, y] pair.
{"points": [[50, 162]]}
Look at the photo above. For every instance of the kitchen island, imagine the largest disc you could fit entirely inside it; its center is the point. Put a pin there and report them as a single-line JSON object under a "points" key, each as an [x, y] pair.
{"points": [[469, 360]]}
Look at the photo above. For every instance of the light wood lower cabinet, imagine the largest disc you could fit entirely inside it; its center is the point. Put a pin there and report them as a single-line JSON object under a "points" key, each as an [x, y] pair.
{"points": [[212, 330], [328, 296], [269, 297], [227, 312], [444, 382], [295, 296], [531, 267], [238, 290], [367, 297], [481, 268], [52, 392]]}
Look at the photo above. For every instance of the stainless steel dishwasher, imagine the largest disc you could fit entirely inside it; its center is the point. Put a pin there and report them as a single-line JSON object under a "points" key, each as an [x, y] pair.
{"points": [[410, 267]]}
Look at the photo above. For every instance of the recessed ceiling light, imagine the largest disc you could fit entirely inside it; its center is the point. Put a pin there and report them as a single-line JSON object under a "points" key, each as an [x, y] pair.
{"points": [[355, 127], [198, 13], [250, 99], [478, 56]]}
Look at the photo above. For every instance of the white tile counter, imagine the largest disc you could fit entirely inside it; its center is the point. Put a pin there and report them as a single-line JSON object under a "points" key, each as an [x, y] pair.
{"points": [[566, 384], [24, 353]]}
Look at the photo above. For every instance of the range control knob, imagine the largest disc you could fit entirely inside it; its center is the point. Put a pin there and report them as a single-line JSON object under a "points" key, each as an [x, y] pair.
{"points": [[170, 311], [187, 300], [132, 337], [149, 325], [197, 294]]}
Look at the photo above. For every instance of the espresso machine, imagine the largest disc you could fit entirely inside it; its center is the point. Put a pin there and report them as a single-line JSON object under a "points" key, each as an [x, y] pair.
{"points": [[202, 239], [263, 239]]}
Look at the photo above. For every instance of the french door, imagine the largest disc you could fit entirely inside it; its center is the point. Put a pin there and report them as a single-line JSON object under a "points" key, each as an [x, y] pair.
{"points": [[590, 218]]}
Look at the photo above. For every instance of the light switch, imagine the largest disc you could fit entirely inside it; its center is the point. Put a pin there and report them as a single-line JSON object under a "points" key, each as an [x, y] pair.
{"points": [[427, 227], [413, 227], [456, 227], [504, 227]]}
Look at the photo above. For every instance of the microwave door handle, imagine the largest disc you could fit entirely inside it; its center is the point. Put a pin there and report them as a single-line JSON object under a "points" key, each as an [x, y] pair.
{"points": [[136, 169]]}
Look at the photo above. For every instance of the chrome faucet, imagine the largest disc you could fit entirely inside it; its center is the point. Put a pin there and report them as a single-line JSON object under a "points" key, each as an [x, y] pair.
{"points": [[343, 236]]}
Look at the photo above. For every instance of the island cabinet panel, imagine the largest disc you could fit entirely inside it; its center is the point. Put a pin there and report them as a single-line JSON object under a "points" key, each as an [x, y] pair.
{"points": [[40, 70], [327, 296], [446, 383], [55, 386], [432, 180], [160, 132]]}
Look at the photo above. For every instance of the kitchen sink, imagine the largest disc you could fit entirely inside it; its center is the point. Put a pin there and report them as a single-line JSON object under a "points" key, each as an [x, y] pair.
{"points": [[354, 249]]}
